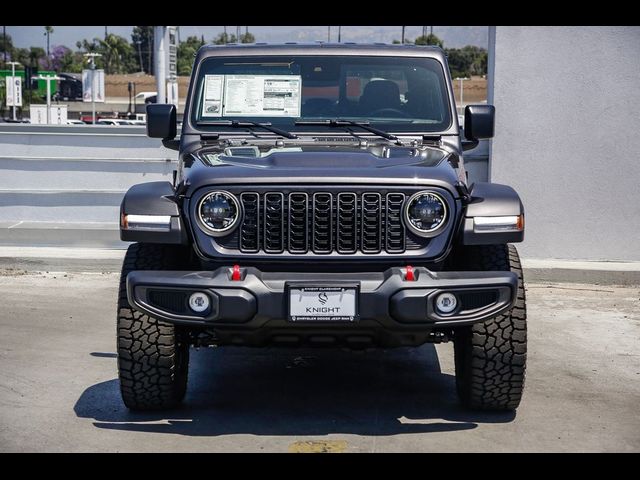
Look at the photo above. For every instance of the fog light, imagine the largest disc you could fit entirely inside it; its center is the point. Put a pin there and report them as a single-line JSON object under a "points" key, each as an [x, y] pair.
{"points": [[446, 302], [198, 302]]}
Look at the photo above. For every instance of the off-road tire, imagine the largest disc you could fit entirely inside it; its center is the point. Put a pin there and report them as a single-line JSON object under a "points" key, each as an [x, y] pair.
{"points": [[490, 357], [153, 355]]}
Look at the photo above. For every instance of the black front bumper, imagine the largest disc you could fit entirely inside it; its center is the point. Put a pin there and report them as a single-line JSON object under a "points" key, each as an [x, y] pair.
{"points": [[255, 308]]}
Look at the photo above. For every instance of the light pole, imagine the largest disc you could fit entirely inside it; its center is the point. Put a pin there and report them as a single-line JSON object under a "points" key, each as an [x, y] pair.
{"points": [[402, 41], [13, 90], [4, 42], [48, 79], [92, 63], [139, 43], [462, 79], [339, 34], [329, 34]]}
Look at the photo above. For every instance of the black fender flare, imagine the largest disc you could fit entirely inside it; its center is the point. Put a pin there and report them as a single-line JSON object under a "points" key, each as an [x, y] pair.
{"points": [[491, 200], [157, 199]]}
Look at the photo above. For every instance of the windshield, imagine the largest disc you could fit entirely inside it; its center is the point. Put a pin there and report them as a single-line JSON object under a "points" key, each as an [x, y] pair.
{"points": [[398, 94]]}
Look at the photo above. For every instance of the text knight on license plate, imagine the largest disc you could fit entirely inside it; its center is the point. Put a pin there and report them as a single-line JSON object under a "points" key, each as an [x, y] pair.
{"points": [[322, 303]]}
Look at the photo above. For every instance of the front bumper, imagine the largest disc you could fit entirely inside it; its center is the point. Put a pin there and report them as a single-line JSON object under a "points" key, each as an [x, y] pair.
{"points": [[257, 303]]}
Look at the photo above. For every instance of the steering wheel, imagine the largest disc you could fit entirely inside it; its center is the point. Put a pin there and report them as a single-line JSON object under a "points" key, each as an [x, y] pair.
{"points": [[388, 112]]}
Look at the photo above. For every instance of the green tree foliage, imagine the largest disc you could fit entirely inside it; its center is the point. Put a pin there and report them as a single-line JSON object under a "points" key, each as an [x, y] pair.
{"points": [[463, 62], [224, 38], [142, 38], [467, 61], [247, 38], [117, 54], [186, 54], [429, 39], [6, 47]]}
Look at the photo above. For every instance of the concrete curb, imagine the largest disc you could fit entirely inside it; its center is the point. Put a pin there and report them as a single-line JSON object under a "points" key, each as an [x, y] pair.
{"points": [[92, 260]]}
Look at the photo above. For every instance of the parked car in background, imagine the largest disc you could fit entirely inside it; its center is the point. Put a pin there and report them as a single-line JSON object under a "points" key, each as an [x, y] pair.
{"points": [[69, 88], [147, 97]]}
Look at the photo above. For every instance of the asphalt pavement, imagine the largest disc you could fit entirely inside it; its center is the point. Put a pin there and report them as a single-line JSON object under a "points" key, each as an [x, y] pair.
{"points": [[59, 387]]}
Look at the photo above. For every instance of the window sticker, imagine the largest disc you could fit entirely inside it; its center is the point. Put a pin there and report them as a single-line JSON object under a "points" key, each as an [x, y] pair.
{"points": [[262, 95], [213, 95]]}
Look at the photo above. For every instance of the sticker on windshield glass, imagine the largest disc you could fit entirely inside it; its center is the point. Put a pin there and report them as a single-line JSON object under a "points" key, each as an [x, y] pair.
{"points": [[213, 95], [262, 95]]}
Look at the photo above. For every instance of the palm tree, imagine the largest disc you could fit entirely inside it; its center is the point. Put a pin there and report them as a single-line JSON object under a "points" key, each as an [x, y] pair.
{"points": [[48, 31]]}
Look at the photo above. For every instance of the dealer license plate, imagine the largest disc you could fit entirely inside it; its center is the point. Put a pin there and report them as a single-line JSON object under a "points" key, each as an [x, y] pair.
{"points": [[323, 304]]}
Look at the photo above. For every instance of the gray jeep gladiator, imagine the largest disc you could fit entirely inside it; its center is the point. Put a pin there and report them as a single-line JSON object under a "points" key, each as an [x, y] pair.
{"points": [[321, 199]]}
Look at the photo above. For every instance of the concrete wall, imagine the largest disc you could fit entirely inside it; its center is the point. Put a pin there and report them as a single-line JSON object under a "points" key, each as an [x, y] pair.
{"points": [[567, 121], [62, 185]]}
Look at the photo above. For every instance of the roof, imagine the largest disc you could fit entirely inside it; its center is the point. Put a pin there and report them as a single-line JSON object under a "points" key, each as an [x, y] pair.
{"points": [[321, 48]]}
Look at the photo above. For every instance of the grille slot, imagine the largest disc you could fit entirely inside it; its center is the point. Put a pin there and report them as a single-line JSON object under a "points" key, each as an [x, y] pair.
{"points": [[347, 223], [322, 226], [250, 228], [298, 222], [395, 232], [371, 223], [274, 222]]}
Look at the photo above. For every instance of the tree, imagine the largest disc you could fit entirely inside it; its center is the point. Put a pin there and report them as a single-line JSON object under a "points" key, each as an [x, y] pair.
{"points": [[62, 59], [186, 54], [224, 38], [48, 31], [247, 38], [117, 54], [430, 39], [6, 48], [38, 57], [142, 38]]}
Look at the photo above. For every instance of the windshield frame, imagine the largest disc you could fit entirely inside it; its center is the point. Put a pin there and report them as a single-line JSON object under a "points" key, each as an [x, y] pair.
{"points": [[190, 125]]}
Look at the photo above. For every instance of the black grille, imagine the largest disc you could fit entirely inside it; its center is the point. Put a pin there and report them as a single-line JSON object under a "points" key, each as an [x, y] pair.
{"points": [[473, 300], [395, 234], [250, 228], [298, 222], [169, 300], [323, 223], [274, 222], [322, 226]]}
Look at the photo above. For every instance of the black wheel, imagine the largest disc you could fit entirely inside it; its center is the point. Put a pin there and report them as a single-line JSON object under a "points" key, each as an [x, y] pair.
{"points": [[153, 355], [490, 357]]}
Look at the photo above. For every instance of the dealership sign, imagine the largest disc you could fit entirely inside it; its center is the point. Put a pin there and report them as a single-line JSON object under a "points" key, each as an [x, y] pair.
{"points": [[14, 91], [98, 85]]}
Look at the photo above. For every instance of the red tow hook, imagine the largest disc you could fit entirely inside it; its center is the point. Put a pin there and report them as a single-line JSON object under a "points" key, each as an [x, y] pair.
{"points": [[410, 276], [236, 276]]}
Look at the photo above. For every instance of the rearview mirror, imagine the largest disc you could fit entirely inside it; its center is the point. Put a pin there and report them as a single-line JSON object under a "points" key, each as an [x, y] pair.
{"points": [[479, 122], [161, 121]]}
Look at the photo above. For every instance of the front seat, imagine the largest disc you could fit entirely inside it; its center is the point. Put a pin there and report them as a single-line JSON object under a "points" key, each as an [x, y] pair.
{"points": [[380, 94]]}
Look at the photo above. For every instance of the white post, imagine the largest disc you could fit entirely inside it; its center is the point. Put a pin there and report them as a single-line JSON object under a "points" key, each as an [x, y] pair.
{"points": [[93, 92], [13, 79], [13, 90], [160, 64], [92, 63], [48, 101]]}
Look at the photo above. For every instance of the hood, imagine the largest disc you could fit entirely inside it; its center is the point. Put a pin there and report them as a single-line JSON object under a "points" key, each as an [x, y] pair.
{"points": [[405, 165]]}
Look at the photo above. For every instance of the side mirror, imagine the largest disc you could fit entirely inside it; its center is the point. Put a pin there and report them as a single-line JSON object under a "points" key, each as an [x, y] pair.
{"points": [[479, 122], [161, 121]]}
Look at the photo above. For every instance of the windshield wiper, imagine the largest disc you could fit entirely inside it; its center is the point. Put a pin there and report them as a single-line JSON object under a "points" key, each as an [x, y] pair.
{"points": [[349, 123], [248, 124]]}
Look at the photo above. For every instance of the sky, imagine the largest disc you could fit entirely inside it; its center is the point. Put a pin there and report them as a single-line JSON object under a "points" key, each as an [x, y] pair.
{"points": [[453, 37]]}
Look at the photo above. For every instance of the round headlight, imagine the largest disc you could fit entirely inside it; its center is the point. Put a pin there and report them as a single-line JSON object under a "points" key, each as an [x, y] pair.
{"points": [[426, 213], [219, 213]]}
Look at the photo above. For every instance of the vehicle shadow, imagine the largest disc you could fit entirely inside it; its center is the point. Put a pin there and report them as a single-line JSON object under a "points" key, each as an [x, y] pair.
{"points": [[277, 391]]}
